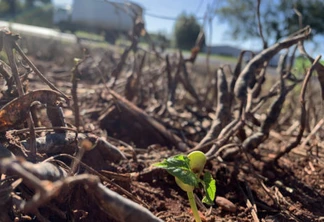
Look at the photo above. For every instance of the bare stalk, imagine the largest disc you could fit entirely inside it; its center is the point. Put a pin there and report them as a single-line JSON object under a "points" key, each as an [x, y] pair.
{"points": [[265, 45], [303, 113]]}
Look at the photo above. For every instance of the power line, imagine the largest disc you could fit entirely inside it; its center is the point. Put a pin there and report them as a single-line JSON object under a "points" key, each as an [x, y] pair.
{"points": [[199, 6], [166, 17]]}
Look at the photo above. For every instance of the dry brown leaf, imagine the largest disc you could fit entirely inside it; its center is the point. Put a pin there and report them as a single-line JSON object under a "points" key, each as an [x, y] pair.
{"points": [[16, 111]]}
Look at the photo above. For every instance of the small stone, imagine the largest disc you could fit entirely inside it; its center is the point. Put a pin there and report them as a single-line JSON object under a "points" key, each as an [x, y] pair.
{"points": [[225, 204]]}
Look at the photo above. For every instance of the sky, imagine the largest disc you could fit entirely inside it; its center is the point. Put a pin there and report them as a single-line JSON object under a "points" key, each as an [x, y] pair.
{"points": [[173, 8]]}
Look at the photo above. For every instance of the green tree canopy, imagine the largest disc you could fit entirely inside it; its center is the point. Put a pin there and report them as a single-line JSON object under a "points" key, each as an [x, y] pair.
{"points": [[33, 12], [186, 31], [278, 18], [32, 3], [9, 8]]}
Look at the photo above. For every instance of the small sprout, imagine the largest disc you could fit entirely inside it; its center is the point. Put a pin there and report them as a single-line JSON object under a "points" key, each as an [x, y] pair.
{"points": [[76, 60], [187, 171], [197, 161], [210, 189], [183, 186]]}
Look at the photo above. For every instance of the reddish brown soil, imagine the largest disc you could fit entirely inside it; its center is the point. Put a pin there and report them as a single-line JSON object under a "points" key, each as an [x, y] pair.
{"points": [[292, 190]]}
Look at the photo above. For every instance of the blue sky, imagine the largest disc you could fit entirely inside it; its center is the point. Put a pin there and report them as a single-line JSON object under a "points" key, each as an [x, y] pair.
{"points": [[172, 8]]}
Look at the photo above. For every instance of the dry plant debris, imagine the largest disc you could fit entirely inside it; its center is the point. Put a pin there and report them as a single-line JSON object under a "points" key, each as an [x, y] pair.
{"points": [[83, 150]]}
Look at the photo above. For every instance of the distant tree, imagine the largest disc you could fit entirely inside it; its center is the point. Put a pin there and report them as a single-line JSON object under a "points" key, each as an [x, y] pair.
{"points": [[161, 40], [32, 3], [12, 7], [186, 31], [278, 18], [29, 3], [9, 8]]}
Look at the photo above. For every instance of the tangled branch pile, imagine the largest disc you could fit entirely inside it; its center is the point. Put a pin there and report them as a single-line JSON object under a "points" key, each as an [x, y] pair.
{"points": [[142, 107]]}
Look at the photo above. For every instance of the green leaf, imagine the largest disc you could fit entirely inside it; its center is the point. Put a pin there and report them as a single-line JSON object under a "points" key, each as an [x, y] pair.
{"points": [[210, 189], [179, 161], [179, 167]]}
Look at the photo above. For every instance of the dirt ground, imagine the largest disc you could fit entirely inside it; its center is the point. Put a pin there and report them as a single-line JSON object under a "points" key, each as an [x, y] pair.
{"points": [[147, 123]]}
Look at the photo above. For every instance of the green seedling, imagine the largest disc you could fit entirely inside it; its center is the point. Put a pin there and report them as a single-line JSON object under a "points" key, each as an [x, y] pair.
{"points": [[187, 171]]}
